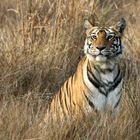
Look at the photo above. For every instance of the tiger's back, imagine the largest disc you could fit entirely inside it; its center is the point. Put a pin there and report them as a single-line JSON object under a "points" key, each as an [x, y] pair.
{"points": [[67, 101]]}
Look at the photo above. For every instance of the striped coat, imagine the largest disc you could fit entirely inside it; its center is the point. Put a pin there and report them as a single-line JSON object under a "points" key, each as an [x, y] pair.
{"points": [[97, 82]]}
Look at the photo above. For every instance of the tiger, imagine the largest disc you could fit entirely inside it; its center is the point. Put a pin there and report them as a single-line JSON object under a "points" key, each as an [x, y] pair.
{"points": [[97, 83]]}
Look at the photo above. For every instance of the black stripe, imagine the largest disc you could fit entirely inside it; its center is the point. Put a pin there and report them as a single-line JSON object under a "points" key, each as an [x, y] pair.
{"points": [[93, 80], [89, 45], [87, 87], [119, 72], [66, 96], [98, 86], [117, 81], [60, 98], [115, 54], [117, 103], [120, 52], [96, 79], [102, 92], [90, 103], [61, 102]]}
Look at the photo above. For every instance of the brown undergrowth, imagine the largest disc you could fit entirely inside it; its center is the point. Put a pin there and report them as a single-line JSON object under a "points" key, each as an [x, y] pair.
{"points": [[41, 43]]}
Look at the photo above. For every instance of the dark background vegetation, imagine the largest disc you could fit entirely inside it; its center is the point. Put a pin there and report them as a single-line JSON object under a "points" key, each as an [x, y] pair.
{"points": [[41, 43]]}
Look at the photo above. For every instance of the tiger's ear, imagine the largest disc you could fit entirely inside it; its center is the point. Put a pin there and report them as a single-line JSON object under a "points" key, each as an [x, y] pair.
{"points": [[120, 26], [90, 21], [87, 24]]}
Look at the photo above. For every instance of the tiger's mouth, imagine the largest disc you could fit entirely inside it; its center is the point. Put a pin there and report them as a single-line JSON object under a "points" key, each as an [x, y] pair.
{"points": [[101, 58], [106, 56]]}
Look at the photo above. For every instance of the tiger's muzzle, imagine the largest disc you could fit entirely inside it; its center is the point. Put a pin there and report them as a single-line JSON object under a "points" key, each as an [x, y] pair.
{"points": [[100, 53]]}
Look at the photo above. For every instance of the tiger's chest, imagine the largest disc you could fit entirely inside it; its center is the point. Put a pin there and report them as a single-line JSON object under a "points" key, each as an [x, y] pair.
{"points": [[104, 102], [105, 96]]}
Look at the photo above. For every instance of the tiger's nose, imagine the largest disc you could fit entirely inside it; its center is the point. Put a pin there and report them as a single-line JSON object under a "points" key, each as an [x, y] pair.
{"points": [[100, 48]]}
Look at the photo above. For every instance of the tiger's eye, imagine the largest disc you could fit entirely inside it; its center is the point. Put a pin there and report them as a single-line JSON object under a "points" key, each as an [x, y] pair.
{"points": [[110, 37], [93, 37]]}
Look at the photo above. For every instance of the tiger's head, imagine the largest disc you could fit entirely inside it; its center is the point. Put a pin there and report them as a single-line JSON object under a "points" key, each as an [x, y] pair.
{"points": [[103, 43]]}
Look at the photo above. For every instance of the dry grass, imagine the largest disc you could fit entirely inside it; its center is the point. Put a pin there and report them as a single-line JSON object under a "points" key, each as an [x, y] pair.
{"points": [[41, 43]]}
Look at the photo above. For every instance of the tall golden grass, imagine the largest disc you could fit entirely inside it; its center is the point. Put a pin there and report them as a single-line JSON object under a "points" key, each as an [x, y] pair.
{"points": [[41, 43]]}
